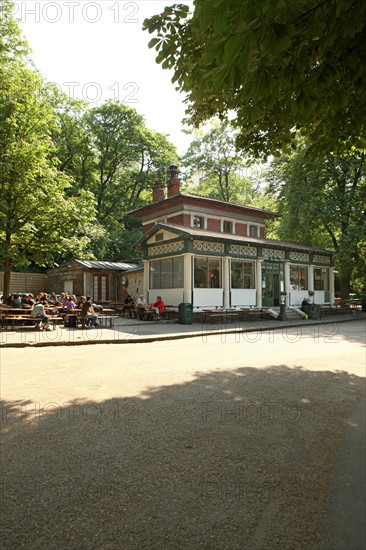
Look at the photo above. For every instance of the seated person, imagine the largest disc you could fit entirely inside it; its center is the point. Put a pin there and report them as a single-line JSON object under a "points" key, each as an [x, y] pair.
{"points": [[28, 301], [63, 299], [129, 304], [17, 302], [305, 305], [70, 305], [87, 313], [38, 312], [141, 305], [159, 307], [52, 299], [81, 302]]}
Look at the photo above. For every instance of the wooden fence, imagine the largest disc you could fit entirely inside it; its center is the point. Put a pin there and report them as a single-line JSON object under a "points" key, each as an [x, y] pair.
{"points": [[26, 282]]}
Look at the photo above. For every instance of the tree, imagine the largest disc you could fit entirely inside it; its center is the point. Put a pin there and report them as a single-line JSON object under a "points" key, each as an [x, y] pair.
{"points": [[212, 155], [37, 221], [323, 204], [72, 141], [109, 151], [279, 65]]}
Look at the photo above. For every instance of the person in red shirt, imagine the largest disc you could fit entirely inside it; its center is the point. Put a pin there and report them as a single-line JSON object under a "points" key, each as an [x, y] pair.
{"points": [[159, 307]]}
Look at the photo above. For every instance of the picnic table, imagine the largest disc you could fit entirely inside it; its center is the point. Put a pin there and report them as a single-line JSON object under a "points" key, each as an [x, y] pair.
{"points": [[257, 313], [146, 313], [220, 314], [26, 321], [103, 319]]}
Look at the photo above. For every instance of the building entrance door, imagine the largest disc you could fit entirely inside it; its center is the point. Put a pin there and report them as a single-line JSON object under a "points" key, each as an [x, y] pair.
{"points": [[272, 283]]}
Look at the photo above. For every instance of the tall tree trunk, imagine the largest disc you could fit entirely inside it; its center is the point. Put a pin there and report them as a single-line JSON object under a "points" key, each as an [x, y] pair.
{"points": [[345, 286], [6, 282]]}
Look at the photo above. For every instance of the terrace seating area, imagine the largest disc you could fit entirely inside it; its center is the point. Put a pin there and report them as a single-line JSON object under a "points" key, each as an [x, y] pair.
{"points": [[20, 317]]}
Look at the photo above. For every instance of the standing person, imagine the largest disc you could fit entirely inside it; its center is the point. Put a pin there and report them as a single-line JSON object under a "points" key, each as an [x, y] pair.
{"points": [[38, 311], [159, 307], [87, 313]]}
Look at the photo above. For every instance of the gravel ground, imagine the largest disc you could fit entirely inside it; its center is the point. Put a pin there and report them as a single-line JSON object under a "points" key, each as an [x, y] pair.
{"points": [[229, 458]]}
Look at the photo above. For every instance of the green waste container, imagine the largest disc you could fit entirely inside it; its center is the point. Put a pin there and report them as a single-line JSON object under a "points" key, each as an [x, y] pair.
{"points": [[185, 314]]}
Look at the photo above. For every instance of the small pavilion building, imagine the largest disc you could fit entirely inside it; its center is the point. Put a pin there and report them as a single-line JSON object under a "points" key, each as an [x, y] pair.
{"points": [[212, 253]]}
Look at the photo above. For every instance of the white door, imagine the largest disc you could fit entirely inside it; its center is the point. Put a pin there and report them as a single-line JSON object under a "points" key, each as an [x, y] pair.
{"points": [[69, 287]]}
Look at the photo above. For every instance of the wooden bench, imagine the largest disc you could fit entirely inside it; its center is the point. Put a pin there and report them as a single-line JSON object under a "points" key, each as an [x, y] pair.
{"points": [[327, 310], [170, 312], [11, 320], [249, 314], [149, 315], [104, 320], [212, 314], [131, 311]]}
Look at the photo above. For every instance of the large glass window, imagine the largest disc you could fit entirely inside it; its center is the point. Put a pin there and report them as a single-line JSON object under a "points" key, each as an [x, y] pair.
{"points": [[321, 278], [242, 274], [207, 272], [167, 273], [298, 277]]}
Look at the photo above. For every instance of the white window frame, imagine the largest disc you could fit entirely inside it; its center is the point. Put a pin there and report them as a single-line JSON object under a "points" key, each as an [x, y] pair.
{"points": [[223, 220], [196, 215], [258, 230]]}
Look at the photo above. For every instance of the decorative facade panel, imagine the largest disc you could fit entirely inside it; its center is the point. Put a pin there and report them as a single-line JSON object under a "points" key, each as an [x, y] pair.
{"points": [[176, 246], [299, 256], [318, 259], [243, 250], [208, 246], [273, 253]]}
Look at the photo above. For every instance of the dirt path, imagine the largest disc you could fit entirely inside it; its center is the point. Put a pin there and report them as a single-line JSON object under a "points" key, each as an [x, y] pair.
{"points": [[188, 444]]}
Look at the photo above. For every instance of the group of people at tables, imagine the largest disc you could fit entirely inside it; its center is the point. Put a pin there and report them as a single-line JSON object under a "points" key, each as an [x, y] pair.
{"points": [[141, 307], [43, 305]]}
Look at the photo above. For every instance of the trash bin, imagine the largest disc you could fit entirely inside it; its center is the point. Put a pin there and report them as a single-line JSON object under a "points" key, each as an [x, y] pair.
{"points": [[185, 314]]}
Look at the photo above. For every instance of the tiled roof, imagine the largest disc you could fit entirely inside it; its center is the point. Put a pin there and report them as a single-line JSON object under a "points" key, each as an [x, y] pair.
{"points": [[201, 198], [93, 264]]}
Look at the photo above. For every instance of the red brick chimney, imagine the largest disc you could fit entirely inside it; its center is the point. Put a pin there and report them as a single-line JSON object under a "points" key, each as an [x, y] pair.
{"points": [[174, 181], [158, 193]]}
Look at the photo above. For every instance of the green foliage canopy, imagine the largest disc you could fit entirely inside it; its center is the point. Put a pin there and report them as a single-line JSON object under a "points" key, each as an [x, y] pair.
{"points": [[279, 65], [212, 156], [37, 220], [109, 151], [323, 203]]}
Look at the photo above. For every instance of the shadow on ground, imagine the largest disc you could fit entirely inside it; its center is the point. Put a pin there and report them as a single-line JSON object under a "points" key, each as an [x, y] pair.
{"points": [[240, 459]]}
